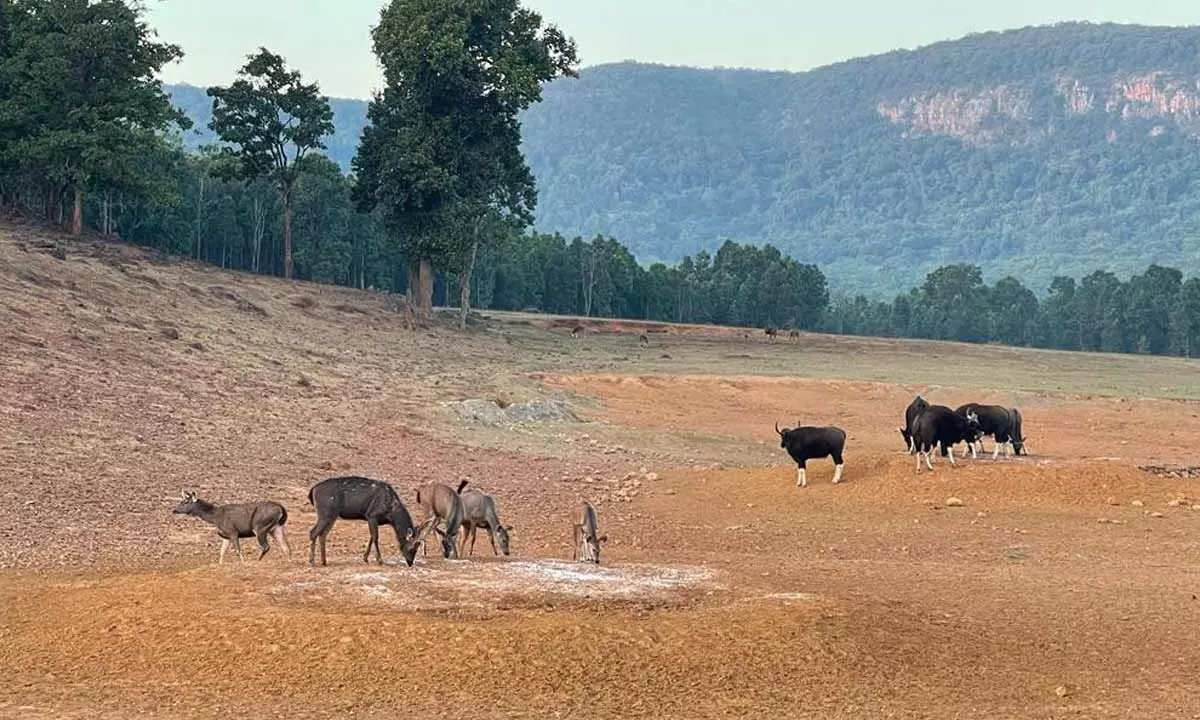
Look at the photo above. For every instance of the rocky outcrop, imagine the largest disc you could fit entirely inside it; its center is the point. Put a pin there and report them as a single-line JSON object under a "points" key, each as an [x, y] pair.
{"points": [[985, 116]]}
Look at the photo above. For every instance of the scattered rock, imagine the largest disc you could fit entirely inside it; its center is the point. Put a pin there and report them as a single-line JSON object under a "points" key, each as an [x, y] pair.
{"points": [[652, 477], [1156, 515], [304, 381], [669, 491], [169, 332], [1062, 691], [954, 502], [1138, 503], [1112, 501]]}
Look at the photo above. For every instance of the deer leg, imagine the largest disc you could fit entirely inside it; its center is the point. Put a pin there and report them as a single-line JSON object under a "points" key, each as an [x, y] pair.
{"points": [[263, 545], [281, 539], [373, 526], [492, 537], [318, 533], [237, 545], [574, 542], [224, 547]]}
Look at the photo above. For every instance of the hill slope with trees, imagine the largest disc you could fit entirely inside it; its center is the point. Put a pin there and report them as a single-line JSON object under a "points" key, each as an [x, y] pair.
{"points": [[1034, 152]]}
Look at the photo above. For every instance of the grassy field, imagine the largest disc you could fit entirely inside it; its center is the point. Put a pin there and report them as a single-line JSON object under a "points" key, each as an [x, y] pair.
{"points": [[1062, 584]]}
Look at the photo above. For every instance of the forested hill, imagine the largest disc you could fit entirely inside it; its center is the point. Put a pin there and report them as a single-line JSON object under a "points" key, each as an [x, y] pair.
{"points": [[1034, 152]]}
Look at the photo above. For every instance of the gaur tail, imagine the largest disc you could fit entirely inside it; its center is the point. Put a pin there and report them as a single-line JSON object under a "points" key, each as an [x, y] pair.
{"points": [[282, 517], [462, 484], [310, 496]]}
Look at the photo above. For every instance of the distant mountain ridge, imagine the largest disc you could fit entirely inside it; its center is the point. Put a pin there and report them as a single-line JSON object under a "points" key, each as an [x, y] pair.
{"points": [[1041, 151]]}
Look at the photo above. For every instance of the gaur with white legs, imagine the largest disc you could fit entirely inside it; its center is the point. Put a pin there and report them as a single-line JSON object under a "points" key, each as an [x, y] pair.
{"points": [[360, 498], [939, 425], [479, 511], [443, 505], [806, 443], [586, 530], [1003, 424], [239, 520]]}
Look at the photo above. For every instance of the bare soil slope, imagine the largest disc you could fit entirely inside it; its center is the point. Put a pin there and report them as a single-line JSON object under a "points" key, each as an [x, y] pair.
{"points": [[1063, 586]]}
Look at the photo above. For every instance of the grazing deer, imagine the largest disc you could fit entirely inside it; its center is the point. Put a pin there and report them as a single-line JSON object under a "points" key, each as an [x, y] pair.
{"points": [[794, 335], [443, 505], [771, 333], [360, 498], [576, 332], [643, 340], [239, 520], [479, 511], [586, 531]]}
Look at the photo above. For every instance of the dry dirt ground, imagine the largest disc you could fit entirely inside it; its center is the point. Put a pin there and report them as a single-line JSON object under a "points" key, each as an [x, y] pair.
{"points": [[1064, 586]]}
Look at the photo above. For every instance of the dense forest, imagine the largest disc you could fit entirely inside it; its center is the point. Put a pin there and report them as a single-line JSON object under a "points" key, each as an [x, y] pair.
{"points": [[1059, 150], [105, 151]]}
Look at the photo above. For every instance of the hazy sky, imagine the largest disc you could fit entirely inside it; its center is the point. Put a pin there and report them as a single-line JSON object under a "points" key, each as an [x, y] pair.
{"points": [[328, 40]]}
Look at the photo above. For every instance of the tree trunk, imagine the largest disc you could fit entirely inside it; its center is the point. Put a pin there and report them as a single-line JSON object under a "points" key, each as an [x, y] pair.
{"points": [[410, 296], [260, 223], [287, 232], [464, 288], [77, 213], [425, 290]]}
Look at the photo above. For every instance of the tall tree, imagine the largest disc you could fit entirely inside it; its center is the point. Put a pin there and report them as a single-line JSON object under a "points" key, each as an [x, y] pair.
{"points": [[81, 93], [442, 150], [273, 119]]}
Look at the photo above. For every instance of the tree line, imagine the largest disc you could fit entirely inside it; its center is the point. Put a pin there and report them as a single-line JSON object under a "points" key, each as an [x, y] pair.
{"points": [[1155, 312], [440, 200]]}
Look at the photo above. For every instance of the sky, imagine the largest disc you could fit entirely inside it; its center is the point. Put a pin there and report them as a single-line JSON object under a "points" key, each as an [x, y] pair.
{"points": [[329, 40]]}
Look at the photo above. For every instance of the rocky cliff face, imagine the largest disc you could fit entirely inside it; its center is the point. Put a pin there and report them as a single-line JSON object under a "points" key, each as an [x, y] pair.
{"points": [[986, 116]]}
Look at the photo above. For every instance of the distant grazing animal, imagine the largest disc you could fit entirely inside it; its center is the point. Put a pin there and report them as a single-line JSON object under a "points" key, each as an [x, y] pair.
{"points": [[939, 425], [806, 443], [794, 335], [443, 505], [576, 331], [586, 529], [1003, 424], [360, 498], [644, 340], [239, 520], [915, 408], [772, 333], [479, 511]]}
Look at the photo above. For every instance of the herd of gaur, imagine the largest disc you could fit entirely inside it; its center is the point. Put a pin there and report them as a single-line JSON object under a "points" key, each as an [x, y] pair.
{"points": [[924, 427], [464, 512]]}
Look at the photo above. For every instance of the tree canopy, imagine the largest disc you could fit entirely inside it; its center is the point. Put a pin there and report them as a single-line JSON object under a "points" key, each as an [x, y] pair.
{"points": [[442, 149], [81, 100], [272, 120]]}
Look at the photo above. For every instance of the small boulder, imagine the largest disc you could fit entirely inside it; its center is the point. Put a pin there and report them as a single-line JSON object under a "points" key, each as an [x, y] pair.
{"points": [[954, 502]]}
